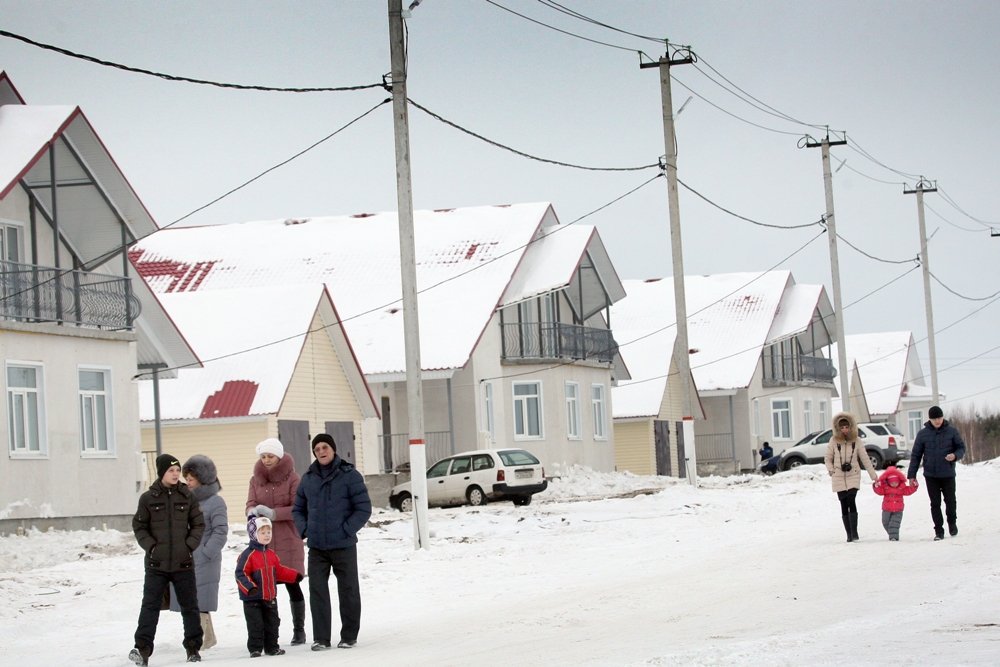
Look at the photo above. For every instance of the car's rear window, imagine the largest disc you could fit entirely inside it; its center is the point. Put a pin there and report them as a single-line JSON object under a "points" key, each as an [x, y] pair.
{"points": [[892, 429], [517, 457], [877, 429]]}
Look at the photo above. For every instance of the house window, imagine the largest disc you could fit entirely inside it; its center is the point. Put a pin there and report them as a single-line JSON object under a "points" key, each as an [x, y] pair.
{"points": [[915, 419], [10, 242], [781, 419], [26, 409], [756, 417], [96, 436], [824, 419], [573, 410], [600, 415], [527, 410], [807, 416], [489, 424]]}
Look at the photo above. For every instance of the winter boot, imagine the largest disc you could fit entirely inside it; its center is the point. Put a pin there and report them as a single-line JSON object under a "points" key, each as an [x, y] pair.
{"points": [[847, 526], [298, 622], [853, 519], [206, 627], [953, 528], [140, 656]]}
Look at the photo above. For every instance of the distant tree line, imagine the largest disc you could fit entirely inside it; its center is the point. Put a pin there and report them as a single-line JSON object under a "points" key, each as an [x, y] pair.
{"points": [[981, 432]]}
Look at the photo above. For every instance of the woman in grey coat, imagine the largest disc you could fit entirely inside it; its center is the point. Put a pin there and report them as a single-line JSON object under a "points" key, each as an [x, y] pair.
{"points": [[203, 480]]}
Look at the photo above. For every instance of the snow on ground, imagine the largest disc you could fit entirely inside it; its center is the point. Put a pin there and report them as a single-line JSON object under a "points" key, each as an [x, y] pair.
{"points": [[602, 569]]}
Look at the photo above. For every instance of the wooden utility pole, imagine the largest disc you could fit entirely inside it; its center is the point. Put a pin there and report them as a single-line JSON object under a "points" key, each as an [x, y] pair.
{"points": [[681, 346], [831, 230], [408, 274], [919, 189]]}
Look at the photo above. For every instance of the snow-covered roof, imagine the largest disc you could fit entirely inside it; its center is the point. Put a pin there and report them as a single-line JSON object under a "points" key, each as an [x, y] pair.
{"points": [[265, 325], [795, 313], [731, 316], [882, 360], [466, 259]]}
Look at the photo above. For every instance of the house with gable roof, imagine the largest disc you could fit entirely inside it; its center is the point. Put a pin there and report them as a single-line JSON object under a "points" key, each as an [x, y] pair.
{"points": [[76, 327], [277, 363], [895, 388], [515, 339], [756, 359]]}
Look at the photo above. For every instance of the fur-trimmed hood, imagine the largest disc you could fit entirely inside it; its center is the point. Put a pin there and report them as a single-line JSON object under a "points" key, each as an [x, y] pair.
{"points": [[853, 435], [203, 468], [890, 473]]}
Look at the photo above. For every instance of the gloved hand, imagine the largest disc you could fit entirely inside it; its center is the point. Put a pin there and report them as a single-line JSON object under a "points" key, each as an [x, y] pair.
{"points": [[299, 577], [264, 511]]}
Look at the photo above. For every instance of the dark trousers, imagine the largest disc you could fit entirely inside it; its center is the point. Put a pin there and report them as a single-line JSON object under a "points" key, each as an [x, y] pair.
{"points": [[295, 592], [153, 588], [847, 501], [344, 563], [262, 625], [936, 488]]}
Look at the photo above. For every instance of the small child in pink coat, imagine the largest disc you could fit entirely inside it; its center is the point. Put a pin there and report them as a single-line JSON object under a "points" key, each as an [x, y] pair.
{"points": [[892, 486]]}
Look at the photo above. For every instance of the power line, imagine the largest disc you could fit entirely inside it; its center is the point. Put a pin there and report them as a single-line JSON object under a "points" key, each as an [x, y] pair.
{"points": [[565, 32], [962, 296], [947, 198], [957, 226], [183, 79], [577, 15], [744, 218], [522, 153]]}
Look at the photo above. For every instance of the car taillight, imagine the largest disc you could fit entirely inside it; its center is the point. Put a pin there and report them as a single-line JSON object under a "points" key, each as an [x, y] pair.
{"points": [[892, 441], [500, 475]]}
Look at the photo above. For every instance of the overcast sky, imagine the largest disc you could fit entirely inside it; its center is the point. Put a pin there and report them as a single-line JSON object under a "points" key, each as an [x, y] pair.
{"points": [[912, 83]]}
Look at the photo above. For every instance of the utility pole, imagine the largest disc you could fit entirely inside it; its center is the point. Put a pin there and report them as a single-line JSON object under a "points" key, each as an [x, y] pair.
{"points": [[831, 230], [919, 189], [408, 274], [682, 349]]}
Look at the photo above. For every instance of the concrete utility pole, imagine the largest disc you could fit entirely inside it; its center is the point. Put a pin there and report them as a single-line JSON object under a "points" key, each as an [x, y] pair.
{"points": [[681, 347], [831, 230], [408, 271], [919, 189]]}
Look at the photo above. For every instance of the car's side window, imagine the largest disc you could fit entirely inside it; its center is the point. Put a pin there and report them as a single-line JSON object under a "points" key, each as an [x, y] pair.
{"points": [[481, 462], [439, 469], [877, 430], [461, 465], [861, 432], [823, 438]]}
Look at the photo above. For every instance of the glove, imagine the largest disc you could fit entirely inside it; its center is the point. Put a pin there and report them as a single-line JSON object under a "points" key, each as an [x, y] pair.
{"points": [[264, 511], [299, 577]]}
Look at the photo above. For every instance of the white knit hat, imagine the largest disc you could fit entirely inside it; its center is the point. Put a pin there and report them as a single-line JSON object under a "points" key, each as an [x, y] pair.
{"points": [[271, 446]]}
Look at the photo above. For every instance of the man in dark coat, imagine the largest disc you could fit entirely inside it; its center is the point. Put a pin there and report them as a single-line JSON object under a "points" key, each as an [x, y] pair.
{"points": [[331, 506], [939, 445], [168, 525]]}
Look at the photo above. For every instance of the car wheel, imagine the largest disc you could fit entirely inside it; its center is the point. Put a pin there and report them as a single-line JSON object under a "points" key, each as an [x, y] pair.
{"points": [[792, 463], [475, 496], [405, 502], [521, 501], [876, 459]]}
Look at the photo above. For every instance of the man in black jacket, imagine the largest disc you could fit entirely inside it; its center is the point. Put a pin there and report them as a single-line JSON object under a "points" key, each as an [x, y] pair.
{"points": [[168, 525], [940, 445]]}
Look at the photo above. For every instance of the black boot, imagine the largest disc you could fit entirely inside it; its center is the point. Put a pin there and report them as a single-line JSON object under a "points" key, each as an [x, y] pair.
{"points": [[853, 519], [847, 526], [298, 622]]}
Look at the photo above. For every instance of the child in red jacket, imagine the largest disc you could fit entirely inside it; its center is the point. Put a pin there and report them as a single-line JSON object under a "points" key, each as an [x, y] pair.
{"points": [[258, 570], [892, 486]]}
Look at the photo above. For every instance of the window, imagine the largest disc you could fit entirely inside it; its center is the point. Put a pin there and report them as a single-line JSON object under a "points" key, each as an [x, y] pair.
{"points": [[781, 419], [26, 409], [600, 416], [807, 416], [439, 469], [573, 410], [823, 418], [461, 465], [95, 411], [915, 421], [527, 410], [489, 424], [10, 242], [756, 417]]}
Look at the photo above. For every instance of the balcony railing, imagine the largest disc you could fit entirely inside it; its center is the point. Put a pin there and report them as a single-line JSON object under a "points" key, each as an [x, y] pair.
{"points": [[31, 293], [556, 340], [782, 369]]}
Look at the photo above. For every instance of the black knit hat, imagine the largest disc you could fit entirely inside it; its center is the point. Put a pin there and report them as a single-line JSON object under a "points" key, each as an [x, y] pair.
{"points": [[935, 412], [324, 437], [165, 462]]}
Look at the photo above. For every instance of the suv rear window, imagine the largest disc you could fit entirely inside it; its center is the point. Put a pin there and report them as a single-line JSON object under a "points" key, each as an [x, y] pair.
{"points": [[892, 429], [877, 429], [517, 457]]}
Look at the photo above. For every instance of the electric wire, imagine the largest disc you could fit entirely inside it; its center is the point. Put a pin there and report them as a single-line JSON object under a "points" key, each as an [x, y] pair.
{"points": [[963, 296], [565, 32], [184, 79], [877, 259], [744, 218], [577, 15], [947, 198], [955, 225], [730, 113], [522, 153]]}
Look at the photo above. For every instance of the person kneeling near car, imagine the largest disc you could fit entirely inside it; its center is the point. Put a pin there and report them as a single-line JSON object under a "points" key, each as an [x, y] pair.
{"points": [[257, 570]]}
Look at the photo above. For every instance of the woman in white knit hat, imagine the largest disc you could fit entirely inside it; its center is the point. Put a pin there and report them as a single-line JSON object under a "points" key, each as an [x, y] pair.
{"points": [[271, 495]]}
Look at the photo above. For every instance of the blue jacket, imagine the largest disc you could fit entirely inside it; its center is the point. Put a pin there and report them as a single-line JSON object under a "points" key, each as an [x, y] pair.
{"points": [[932, 445], [331, 506]]}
